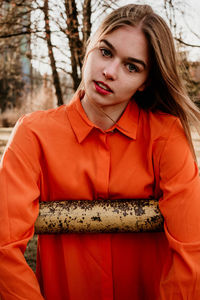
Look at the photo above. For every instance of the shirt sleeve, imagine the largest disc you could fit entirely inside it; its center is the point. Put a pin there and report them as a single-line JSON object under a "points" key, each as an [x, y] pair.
{"points": [[19, 207], [180, 206]]}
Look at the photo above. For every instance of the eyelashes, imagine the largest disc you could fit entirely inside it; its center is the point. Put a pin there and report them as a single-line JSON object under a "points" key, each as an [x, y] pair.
{"points": [[106, 52], [132, 68]]}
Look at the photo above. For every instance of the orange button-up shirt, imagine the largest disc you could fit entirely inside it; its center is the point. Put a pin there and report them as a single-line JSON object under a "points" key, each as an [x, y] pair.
{"points": [[59, 155]]}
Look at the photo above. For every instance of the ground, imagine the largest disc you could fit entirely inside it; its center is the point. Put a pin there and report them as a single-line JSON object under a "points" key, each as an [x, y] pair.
{"points": [[30, 253]]}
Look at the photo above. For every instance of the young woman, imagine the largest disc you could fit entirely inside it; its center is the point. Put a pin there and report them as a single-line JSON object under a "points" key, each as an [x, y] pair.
{"points": [[125, 135]]}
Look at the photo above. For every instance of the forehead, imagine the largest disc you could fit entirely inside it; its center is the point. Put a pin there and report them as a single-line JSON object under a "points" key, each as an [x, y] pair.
{"points": [[129, 41]]}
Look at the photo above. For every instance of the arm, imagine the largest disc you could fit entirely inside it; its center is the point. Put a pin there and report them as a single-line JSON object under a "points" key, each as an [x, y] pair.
{"points": [[180, 206], [19, 193]]}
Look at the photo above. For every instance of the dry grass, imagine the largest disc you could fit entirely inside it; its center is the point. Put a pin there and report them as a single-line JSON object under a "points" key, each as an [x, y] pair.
{"points": [[43, 99]]}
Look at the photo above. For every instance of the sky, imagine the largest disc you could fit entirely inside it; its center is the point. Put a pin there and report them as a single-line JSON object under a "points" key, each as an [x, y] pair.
{"points": [[190, 20]]}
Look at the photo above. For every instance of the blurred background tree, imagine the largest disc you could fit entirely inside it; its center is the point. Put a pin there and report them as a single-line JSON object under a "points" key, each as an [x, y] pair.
{"points": [[190, 70]]}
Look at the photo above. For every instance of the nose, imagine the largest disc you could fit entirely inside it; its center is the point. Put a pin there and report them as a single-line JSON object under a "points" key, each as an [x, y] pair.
{"points": [[110, 71]]}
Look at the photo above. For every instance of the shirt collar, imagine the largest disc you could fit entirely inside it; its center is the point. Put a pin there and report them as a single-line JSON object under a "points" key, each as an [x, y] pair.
{"points": [[82, 126]]}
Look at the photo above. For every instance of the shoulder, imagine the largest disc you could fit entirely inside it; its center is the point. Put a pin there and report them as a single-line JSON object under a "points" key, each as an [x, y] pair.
{"points": [[39, 125], [40, 118], [162, 125]]}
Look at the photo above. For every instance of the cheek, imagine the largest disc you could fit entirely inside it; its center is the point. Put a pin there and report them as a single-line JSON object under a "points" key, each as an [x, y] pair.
{"points": [[85, 76], [130, 87], [87, 70]]}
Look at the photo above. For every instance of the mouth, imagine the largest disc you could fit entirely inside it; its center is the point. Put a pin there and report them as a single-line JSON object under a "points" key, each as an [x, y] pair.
{"points": [[102, 88]]}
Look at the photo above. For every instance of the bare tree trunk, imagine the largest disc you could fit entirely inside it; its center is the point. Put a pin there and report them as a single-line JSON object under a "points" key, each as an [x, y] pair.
{"points": [[75, 43], [86, 21], [56, 80]]}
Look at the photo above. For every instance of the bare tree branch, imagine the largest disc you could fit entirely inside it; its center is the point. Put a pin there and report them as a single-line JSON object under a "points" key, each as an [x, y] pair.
{"points": [[186, 44]]}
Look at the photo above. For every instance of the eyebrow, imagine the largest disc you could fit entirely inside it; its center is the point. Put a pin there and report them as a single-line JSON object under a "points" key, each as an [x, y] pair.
{"points": [[132, 59]]}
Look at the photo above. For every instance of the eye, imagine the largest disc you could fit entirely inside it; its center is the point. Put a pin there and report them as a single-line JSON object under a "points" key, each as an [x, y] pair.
{"points": [[105, 52], [132, 68]]}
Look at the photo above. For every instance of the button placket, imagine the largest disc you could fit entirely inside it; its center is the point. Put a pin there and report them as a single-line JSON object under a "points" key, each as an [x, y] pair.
{"points": [[103, 167]]}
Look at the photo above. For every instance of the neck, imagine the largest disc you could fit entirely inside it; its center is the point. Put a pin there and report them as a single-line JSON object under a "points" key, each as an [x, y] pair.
{"points": [[103, 117]]}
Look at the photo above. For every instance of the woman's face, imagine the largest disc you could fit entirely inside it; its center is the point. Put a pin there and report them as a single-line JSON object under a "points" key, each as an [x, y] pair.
{"points": [[116, 68]]}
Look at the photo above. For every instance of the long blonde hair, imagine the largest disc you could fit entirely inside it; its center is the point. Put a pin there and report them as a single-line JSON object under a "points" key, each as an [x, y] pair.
{"points": [[165, 91]]}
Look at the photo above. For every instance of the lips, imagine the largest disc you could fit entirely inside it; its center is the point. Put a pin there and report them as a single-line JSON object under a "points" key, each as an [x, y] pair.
{"points": [[102, 88]]}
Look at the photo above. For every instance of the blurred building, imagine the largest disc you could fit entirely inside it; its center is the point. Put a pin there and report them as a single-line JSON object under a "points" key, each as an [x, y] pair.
{"points": [[15, 51]]}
